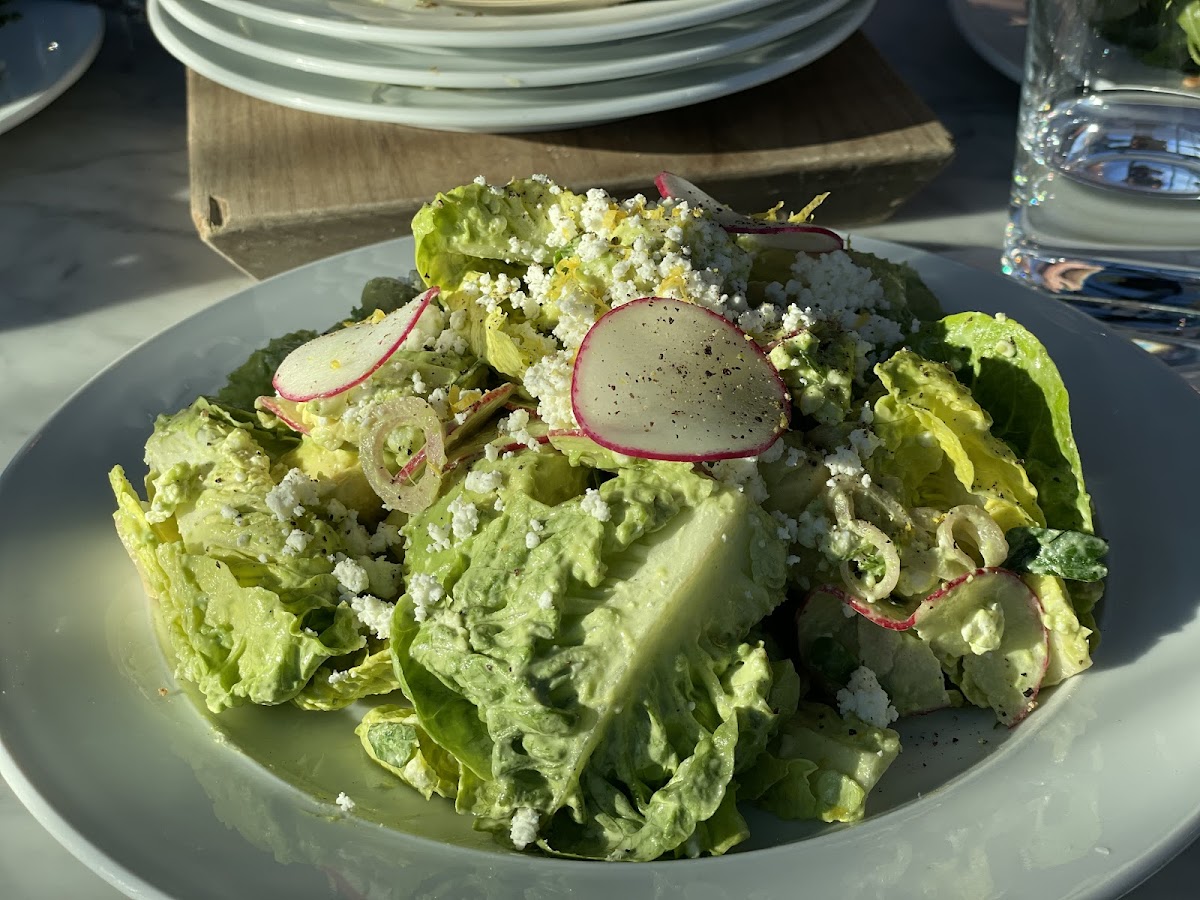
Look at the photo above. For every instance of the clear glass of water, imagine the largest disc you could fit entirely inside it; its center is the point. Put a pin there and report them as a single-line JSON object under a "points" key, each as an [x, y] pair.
{"points": [[1105, 207]]}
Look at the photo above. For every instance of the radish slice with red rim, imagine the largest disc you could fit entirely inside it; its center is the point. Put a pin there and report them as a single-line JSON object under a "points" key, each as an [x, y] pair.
{"points": [[285, 410], [659, 378], [399, 491], [994, 624], [781, 235], [797, 238], [337, 361]]}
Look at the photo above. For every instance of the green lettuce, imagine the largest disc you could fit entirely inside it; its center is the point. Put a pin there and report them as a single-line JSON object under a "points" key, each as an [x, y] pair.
{"points": [[248, 618], [820, 765], [940, 447], [1010, 374], [1051, 551], [600, 675]]}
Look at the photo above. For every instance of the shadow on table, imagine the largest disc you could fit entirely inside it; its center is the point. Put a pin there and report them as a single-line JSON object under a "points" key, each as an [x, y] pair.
{"points": [[94, 190]]}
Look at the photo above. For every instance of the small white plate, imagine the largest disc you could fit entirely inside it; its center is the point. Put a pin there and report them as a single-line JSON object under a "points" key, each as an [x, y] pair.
{"points": [[43, 53], [501, 67], [511, 110], [995, 29], [423, 23], [1082, 801]]}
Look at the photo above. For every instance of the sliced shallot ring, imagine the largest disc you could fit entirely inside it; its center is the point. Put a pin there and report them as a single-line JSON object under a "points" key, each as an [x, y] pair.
{"points": [[399, 493], [891, 563]]}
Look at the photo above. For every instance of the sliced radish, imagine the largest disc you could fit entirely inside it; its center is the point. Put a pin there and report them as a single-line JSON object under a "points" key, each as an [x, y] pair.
{"points": [[285, 410], [797, 238], [663, 379], [833, 641], [337, 361], [399, 491], [479, 413], [959, 622], [781, 235], [883, 613]]}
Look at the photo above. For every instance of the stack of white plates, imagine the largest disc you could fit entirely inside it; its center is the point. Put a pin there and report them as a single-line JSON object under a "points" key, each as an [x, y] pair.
{"points": [[499, 65]]}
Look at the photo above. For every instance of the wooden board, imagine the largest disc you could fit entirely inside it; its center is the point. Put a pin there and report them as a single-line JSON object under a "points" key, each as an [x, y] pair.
{"points": [[272, 188]]}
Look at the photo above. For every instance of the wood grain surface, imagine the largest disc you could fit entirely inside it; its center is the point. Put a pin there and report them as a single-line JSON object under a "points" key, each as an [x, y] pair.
{"points": [[273, 188]]}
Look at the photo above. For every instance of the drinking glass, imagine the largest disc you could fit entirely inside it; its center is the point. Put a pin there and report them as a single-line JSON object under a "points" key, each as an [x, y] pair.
{"points": [[1105, 207]]}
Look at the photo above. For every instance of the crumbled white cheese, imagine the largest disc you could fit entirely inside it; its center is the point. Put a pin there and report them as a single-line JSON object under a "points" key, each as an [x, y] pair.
{"points": [[294, 492], [844, 461], [534, 536], [352, 577], [374, 613], [594, 506], [425, 590], [439, 538], [464, 517], [524, 829], [483, 482], [385, 536], [983, 629], [549, 380], [344, 802], [546, 600], [864, 442], [229, 512], [515, 425], [741, 474], [863, 697], [296, 541]]}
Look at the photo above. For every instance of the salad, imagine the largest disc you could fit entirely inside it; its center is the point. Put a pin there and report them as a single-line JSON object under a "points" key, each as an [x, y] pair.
{"points": [[618, 514]]}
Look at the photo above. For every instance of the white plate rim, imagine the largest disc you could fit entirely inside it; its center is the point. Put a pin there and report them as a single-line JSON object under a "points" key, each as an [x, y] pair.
{"points": [[537, 30], [552, 67], [1002, 46], [91, 21], [622, 98], [1107, 874]]}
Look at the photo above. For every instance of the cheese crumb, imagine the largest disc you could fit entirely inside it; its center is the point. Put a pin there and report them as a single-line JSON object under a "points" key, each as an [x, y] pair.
{"points": [[863, 697], [344, 802], [594, 506], [295, 543], [546, 600], [464, 518], [425, 590], [524, 829], [294, 492], [439, 537], [352, 577], [483, 482], [374, 613]]}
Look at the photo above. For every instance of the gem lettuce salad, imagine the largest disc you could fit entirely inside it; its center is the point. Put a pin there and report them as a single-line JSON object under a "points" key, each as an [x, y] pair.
{"points": [[616, 515]]}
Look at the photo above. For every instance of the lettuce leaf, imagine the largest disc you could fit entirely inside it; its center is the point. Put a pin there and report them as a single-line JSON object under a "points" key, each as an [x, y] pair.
{"points": [[599, 675], [820, 766], [1010, 374], [940, 447], [1050, 551]]}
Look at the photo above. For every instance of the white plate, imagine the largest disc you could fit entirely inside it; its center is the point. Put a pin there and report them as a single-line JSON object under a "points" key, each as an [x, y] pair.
{"points": [[43, 53], [1083, 800], [501, 67], [506, 110], [423, 23], [996, 31]]}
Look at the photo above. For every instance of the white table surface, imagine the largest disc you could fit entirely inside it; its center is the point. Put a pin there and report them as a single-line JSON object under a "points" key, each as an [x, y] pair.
{"points": [[98, 252]]}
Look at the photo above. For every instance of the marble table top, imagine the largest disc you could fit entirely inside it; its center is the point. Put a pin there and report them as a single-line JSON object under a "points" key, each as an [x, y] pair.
{"points": [[98, 252]]}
